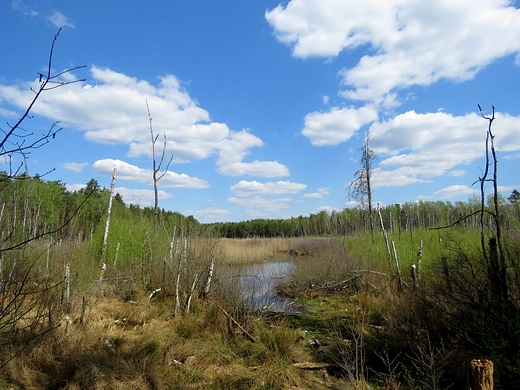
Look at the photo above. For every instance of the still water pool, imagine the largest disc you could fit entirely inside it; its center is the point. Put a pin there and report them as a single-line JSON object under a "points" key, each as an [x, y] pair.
{"points": [[257, 286]]}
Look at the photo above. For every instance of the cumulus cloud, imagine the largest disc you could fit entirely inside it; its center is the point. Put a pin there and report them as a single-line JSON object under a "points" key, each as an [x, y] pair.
{"points": [[75, 187], [451, 192], [255, 168], [337, 125], [234, 148], [59, 20], [318, 194], [413, 43], [328, 209], [140, 197], [129, 172], [19, 5], [111, 109], [75, 167], [415, 148], [249, 188], [208, 214]]}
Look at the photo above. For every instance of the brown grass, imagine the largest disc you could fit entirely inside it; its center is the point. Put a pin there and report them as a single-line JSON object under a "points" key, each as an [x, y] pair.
{"points": [[137, 345], [251, 250]]}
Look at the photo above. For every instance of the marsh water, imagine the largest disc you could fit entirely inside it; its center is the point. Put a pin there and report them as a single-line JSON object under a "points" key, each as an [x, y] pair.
{"points": [[257, 286]]}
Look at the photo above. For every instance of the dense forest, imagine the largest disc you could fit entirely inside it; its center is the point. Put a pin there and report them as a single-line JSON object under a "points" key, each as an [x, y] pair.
{"points": [[37, 207]]}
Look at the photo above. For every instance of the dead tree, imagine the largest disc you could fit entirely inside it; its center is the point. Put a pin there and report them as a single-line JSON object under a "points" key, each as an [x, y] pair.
{"points": [[495, 259], [156, 166], [360, 189]]}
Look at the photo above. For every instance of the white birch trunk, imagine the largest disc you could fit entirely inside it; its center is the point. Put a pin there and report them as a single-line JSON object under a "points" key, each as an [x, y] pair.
{"points": [[117, 254], [49, 252], [107, 225], [210, 276], [188, 304], [398, 267], [178, 282], [66, 289], [388, 253]]}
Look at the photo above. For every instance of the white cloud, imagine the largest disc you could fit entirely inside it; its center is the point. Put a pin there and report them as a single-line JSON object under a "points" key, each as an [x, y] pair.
{"points": [[140, 197], [75, 187], [234, 148], [395, 178], [255, 168], [318, 194], [111, 109], [451, 192], [351, 204], [512, 157], [250, 188], [457, 173], [415, 148], [129, 172], [209, 213], [59, 20], [7, 113], [413, 43], [259, 198], [19, 5], [328, 209], [337, 125], [74, 167]]}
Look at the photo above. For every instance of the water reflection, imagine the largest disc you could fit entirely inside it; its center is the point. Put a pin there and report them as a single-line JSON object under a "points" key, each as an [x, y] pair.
{"points": [[257, 284]]}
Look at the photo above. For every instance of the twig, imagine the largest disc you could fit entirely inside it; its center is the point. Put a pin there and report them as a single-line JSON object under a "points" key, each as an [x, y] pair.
{"points": [[246, 333]]}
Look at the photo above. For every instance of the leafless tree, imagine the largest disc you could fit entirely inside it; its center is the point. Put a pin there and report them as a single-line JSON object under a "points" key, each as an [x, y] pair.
{"points": [[16, 142], [496, 258], [360, 189], [156, 166], [29, 303]]}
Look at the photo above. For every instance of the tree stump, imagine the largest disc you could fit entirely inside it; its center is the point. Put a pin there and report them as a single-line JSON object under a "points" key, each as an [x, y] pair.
{"points": [[481, 374]]}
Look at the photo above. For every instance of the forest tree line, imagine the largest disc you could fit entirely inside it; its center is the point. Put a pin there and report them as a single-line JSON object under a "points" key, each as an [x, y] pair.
{"points": [[33, 207], [36, 206]]}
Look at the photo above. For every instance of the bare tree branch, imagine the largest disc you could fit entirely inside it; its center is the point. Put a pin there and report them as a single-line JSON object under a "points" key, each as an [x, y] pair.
{"points": [[10, 144], [156, 167], [360, 188]]}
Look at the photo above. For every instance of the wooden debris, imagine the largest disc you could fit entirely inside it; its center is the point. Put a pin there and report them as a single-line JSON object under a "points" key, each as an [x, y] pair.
{"points": [[482, 374], [245, 332], [312, 366]]}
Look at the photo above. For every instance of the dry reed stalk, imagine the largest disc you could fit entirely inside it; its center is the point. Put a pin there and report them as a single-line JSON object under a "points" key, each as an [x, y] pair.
{"points": [[251, 250]]}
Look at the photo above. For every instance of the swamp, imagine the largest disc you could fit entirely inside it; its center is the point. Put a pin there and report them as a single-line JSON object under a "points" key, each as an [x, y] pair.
{"points": [[181, 309]]}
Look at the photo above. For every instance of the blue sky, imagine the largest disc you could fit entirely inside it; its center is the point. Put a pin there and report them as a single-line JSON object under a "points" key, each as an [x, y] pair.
{"points": [[265, 104]]}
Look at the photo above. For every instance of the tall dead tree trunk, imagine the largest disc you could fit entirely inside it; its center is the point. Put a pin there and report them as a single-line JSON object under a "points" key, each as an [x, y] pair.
{"points": [[495, 258], [156, 166], [360, 188]]}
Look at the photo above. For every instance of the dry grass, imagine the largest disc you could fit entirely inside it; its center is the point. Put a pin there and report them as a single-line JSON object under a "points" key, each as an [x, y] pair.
{"points": [[119, 339], [254, 250], [137, 345]]}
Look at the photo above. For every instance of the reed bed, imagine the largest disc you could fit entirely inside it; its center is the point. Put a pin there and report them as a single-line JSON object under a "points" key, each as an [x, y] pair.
{"points": [[255, 250]]}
